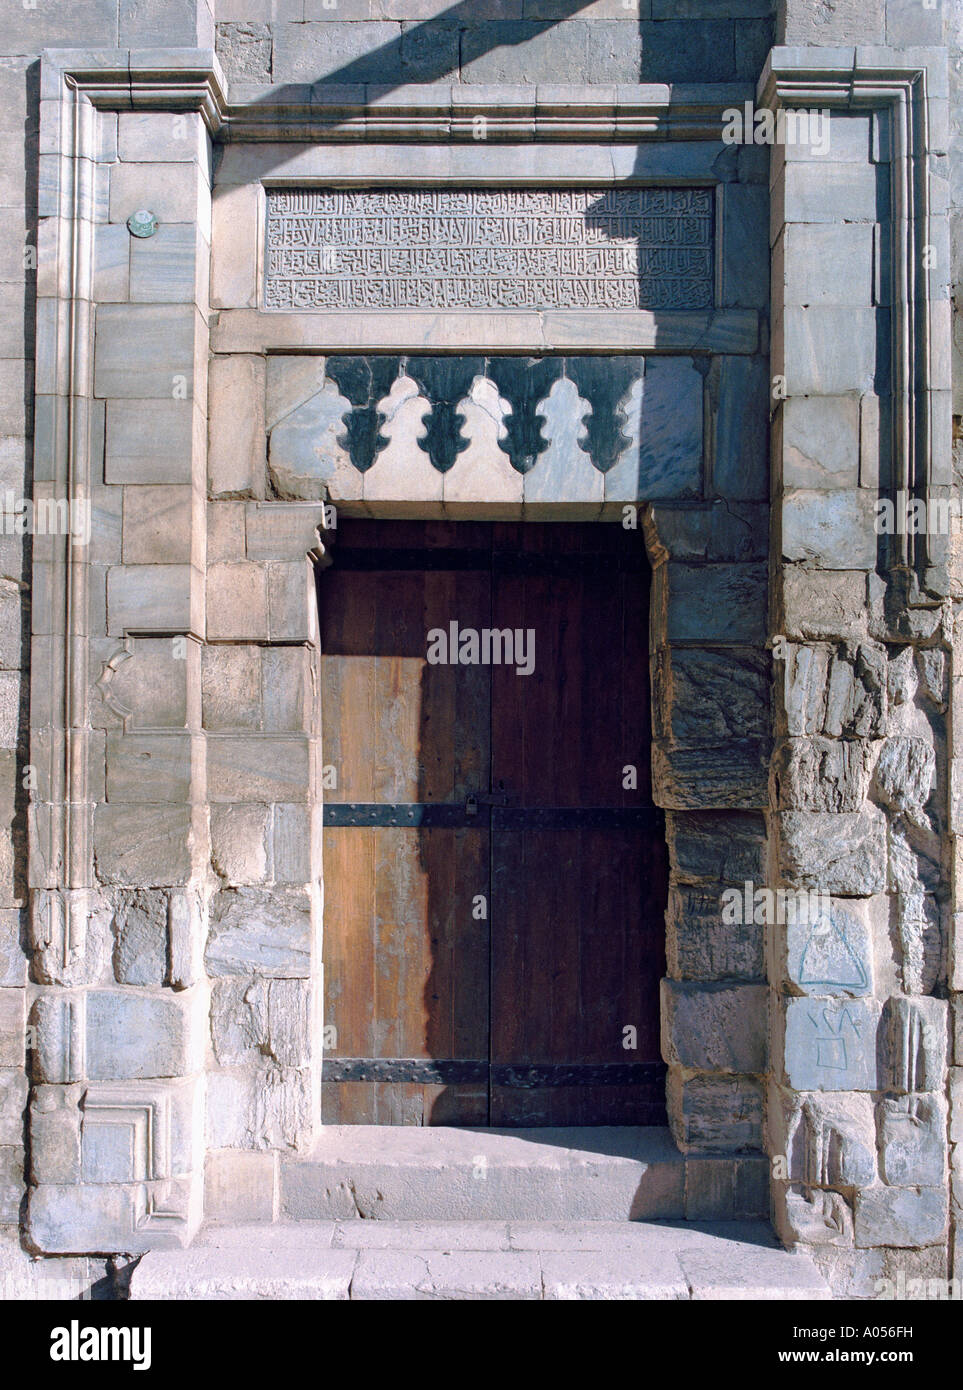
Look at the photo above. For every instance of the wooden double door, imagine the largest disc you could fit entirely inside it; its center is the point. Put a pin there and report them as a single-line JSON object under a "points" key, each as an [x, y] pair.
{"points": [[495, 875]]}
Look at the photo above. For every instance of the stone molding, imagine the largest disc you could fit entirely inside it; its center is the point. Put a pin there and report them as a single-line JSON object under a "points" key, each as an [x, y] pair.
{"points": [[911, 95]]}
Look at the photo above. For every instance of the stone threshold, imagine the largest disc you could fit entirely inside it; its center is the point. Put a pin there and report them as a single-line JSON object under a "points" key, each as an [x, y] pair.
{"points": [[604, 1173], [480, 1260]]}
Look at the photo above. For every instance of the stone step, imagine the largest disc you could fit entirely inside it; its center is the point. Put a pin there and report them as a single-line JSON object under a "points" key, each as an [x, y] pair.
{"points": [[458, 1260], [414, 1173]]}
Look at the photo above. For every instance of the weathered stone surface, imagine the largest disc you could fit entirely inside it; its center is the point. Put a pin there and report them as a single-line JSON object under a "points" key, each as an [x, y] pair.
{"points": [[831, 529], [838, 691], [828, 1140], [706, 697], [262, 768], [13, 958], [700, 946], [828, 950], [239, 1186], [905, 775], [142, 844], [914, 1038], [11, 1182], [263, 932], [900, 1216], [12, 1020], [715, 1114], [240, 843], [141, 937], [740, 467], [719, 846], [263, 1109], [830, 1044], [709, 603], [253, 1021], [733, 775], [13, 1102], [235, 459], [912, 1140], [821, 605], [844, 854], [712, 1027], [231, 687], [822, 774], [132, 1035]]}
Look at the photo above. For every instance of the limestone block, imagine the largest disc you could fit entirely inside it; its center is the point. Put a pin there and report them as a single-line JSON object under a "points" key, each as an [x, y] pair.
{"points": [[837, 691], [827, 1139], [263, 1109], [131, 1036], [143, 351], [261, 932], [819, 605], [138, 844], [827, 946], [689, 779], [311, 53], [819, 1218], [292, 601], [258, 768], [231, 684], [849, 21], [739, 392], [235, 223], [822, 774], [144, 137], [149, 441], [709, 603], [745, 246], [714, 531], [715, 1027], [831, 529], [293, 838], [13, 958], [900, 1216], [149, 683], [55, 1134], [700, 946], [150, 767], [13, 1103], [162, 525], [825, 263], [307, 456], [820, 441], [225, 531], [142, 1130], [664, 427], [170, 267], [905, 775], [912, 1140], [261, 1019], [240, 843], [114, 1217], [141, 944], [236, 442], [830, 1044], [13, 1019], [237, 602], [239, 1186], [722, 846], [822, 350], [284, 530], [702, 696], [288, 688], [914, 1037], [172, 191], [290, 382], [111, 263], [164, 597], [844, 853], [11, 1182], [721, 1114]]}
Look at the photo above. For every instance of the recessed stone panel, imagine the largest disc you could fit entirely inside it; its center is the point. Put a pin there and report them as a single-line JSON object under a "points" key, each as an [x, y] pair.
{"points": [[513, 248]]}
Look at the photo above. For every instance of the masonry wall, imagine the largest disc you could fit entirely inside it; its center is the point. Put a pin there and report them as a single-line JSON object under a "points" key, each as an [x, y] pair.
{"points": [[878, 779]]}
